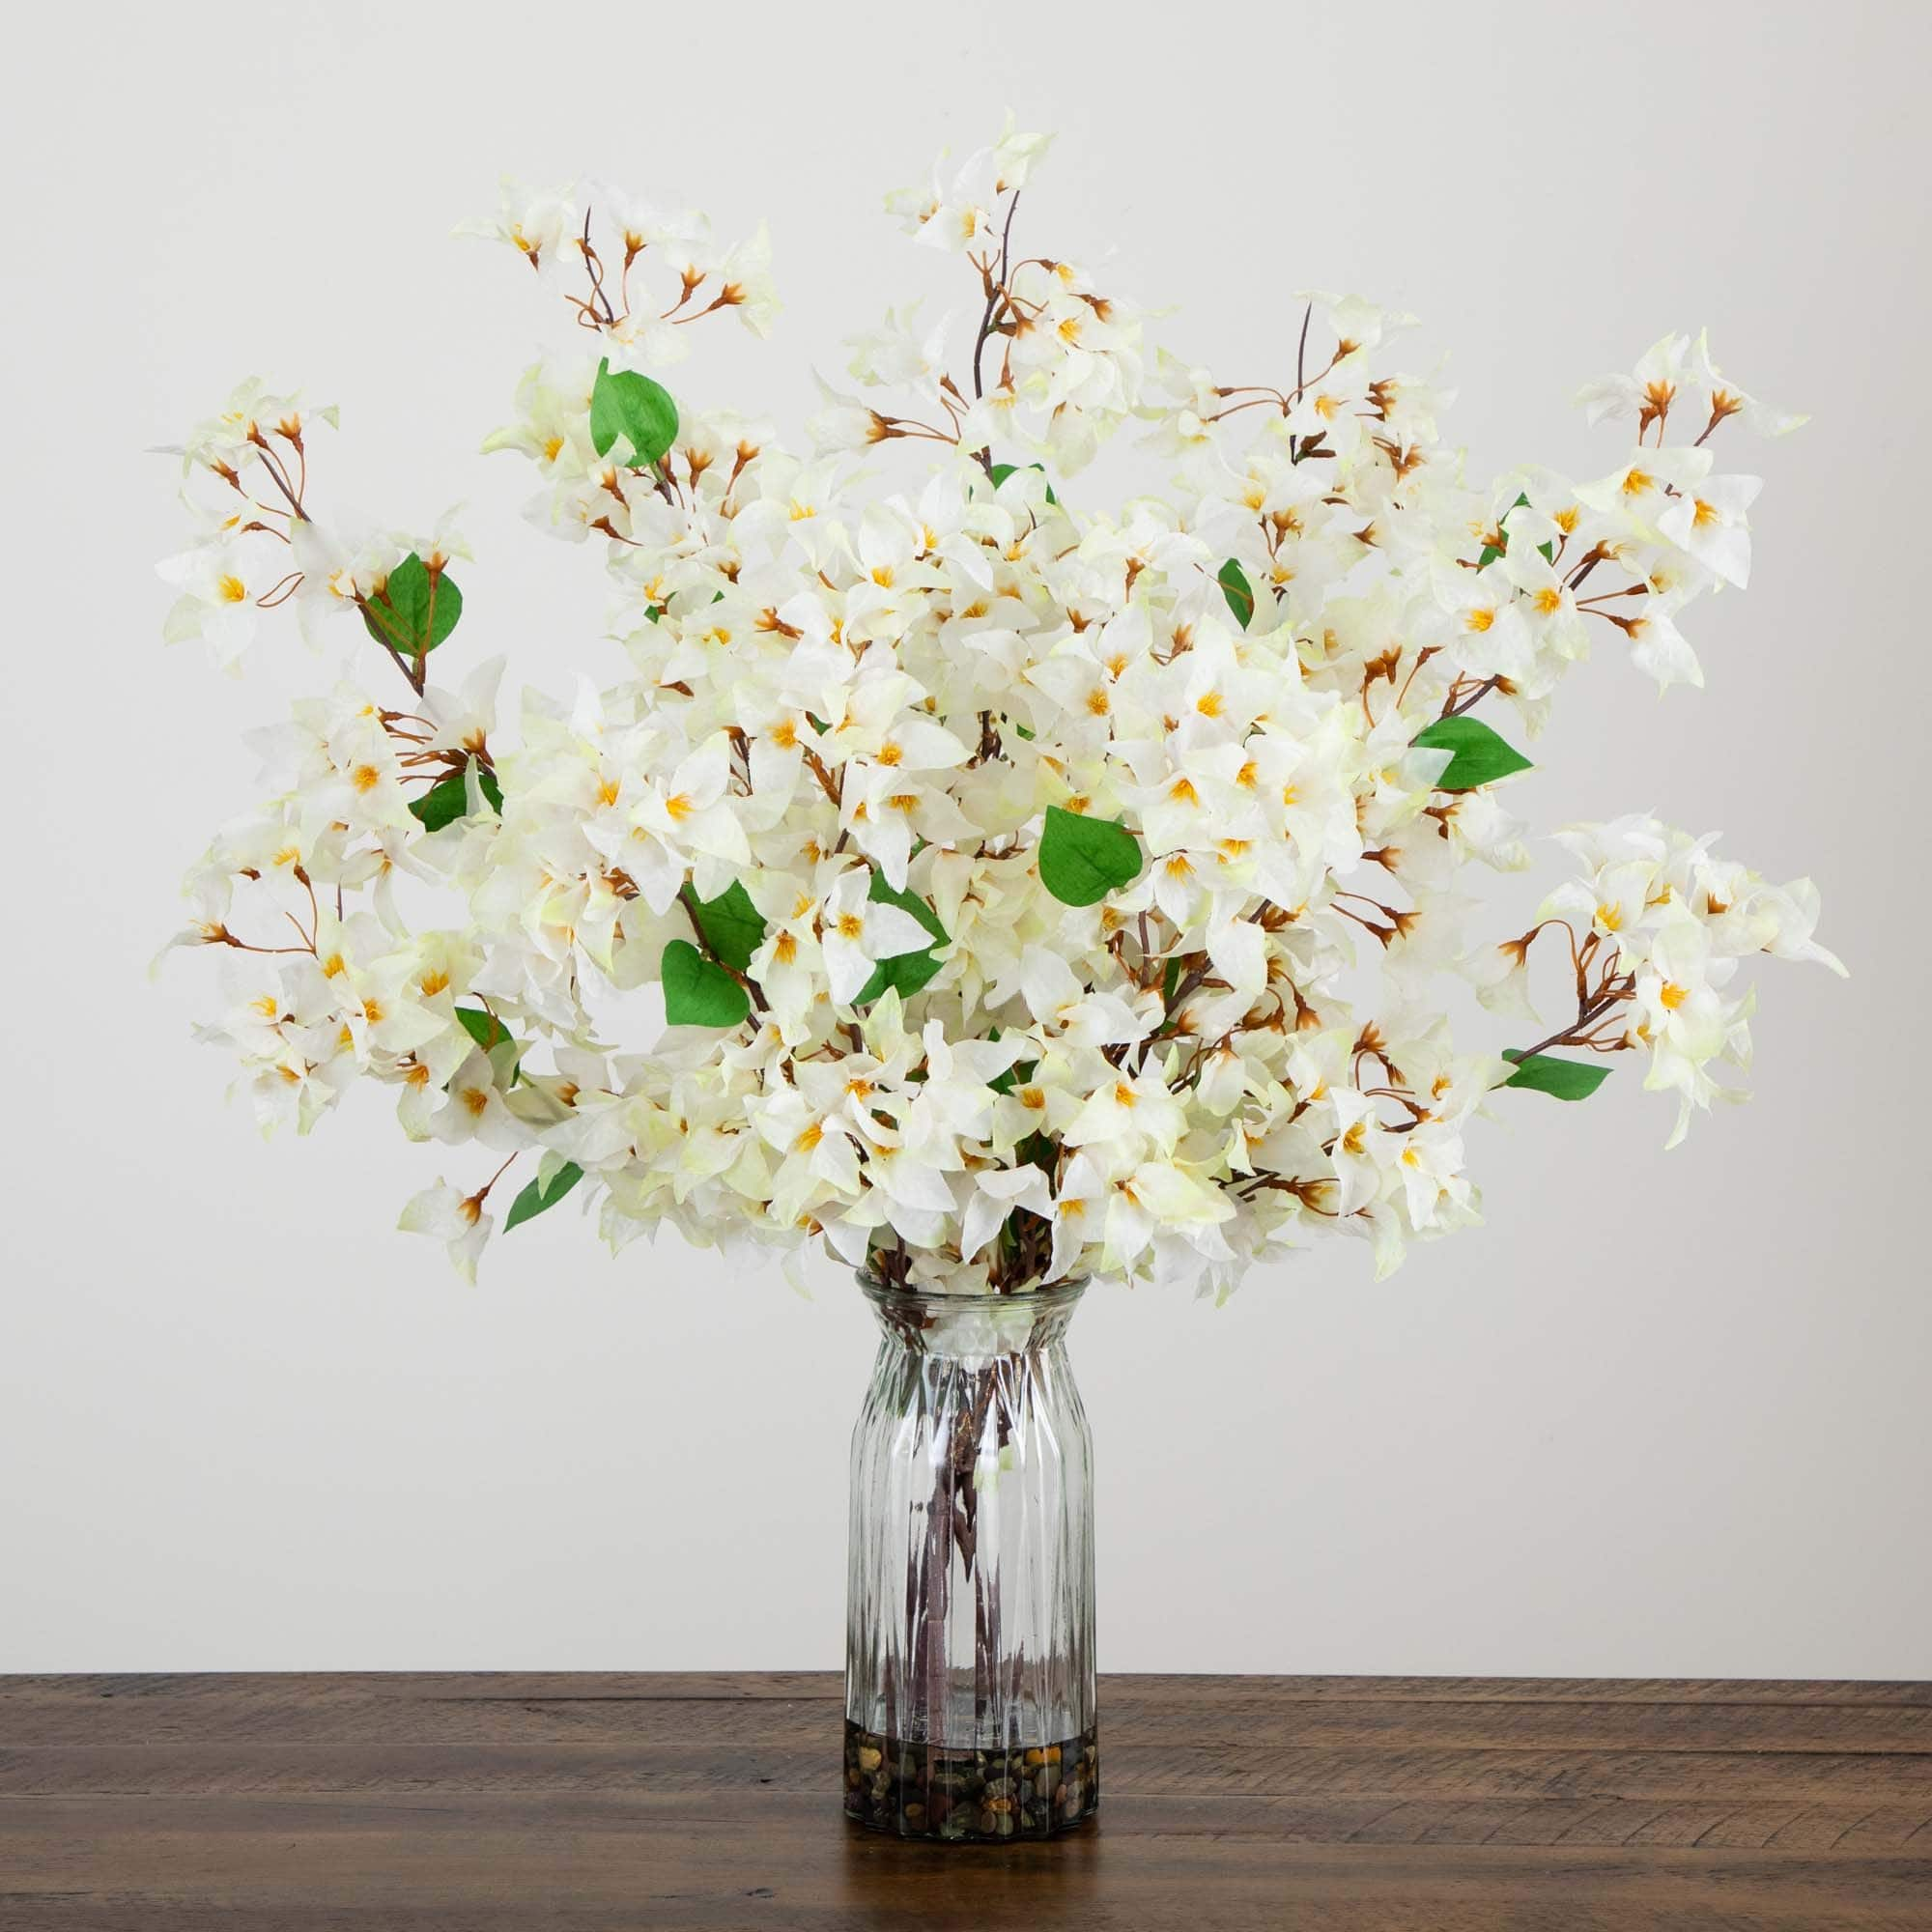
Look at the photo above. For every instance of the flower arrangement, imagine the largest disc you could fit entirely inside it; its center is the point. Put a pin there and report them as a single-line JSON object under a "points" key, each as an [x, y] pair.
{"points": [[1033, 889]]}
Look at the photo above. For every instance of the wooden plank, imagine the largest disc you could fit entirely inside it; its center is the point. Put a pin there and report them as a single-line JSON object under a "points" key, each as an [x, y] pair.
{"points": [[493, 1861], [699, 1765], [740, 1686], [1614, 1823], [1209, 1710], [555, 1799]]}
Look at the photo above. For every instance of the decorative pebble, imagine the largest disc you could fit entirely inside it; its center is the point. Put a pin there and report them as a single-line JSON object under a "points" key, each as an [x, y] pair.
{"points": [[1031, 1791]]}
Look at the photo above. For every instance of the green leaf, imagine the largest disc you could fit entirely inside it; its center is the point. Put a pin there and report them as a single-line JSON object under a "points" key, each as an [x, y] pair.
{"points": [[1000, 472], [1481, 758], [446, 801], [626, 404], [485, 1029], [1082, 860], [535, 1198], [414, 611], [698, 992], [1235, 589], [907, 971], [1545, 1074], [731, 924], [1016, 1075]]}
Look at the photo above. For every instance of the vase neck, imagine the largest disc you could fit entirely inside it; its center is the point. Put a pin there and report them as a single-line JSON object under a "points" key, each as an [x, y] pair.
{"points": [[973, 1326]]}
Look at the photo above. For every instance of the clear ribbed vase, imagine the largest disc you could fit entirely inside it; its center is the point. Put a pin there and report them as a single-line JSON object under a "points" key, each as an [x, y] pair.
{"points": [[969, 1647]]}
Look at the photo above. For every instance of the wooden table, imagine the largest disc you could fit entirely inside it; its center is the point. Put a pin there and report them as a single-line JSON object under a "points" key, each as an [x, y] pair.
{"points": [[510, 1802]]}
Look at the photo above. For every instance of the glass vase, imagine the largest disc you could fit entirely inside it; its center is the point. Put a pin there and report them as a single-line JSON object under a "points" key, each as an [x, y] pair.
{"points": [[969, 1647]]}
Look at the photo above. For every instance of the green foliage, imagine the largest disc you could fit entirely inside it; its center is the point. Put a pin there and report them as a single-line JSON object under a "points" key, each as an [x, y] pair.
{"points": [[448, 800], [731, 924], [536, 1198], [1235, 589], [908, 972], [415, 610], [626, 404], [1561, 1079], [1481, 758], [1082, 859], [485, 1029], [699, 992]]}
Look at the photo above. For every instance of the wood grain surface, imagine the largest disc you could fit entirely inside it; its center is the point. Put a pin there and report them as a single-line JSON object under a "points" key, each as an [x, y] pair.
{"points": [[506, 1802]]}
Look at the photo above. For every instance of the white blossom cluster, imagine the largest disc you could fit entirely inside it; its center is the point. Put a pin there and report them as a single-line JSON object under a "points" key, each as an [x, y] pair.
{"points": [[1035, 889]]}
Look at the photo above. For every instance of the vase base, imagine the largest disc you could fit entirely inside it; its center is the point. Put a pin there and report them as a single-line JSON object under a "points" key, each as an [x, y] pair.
{"points": [[970, 1797]]}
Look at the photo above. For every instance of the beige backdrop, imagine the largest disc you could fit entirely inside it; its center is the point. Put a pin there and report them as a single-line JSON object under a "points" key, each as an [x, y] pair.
{"points": [[1664, 1414]]}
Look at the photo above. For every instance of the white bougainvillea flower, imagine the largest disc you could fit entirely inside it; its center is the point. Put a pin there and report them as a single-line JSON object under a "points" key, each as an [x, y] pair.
{"points": [[744, 285], [685, 812], [230, 443], [1015, 154], [1488, 626], [1657, 646], [1785, 917], [474, 1109], [339, 568], [216, 603], [1707, 520], [856, 932], [1725, 399], [454, 1218], [1648, 393], [997, 1192], [898, 354], [1644, 489], [541, 224]]}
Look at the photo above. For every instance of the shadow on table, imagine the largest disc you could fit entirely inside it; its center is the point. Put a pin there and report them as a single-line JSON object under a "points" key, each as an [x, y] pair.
{"points": [[899, 1882]]}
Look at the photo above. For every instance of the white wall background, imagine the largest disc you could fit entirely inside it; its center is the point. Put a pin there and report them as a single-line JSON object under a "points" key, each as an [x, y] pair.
{"points": [[1663, 1415]]}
